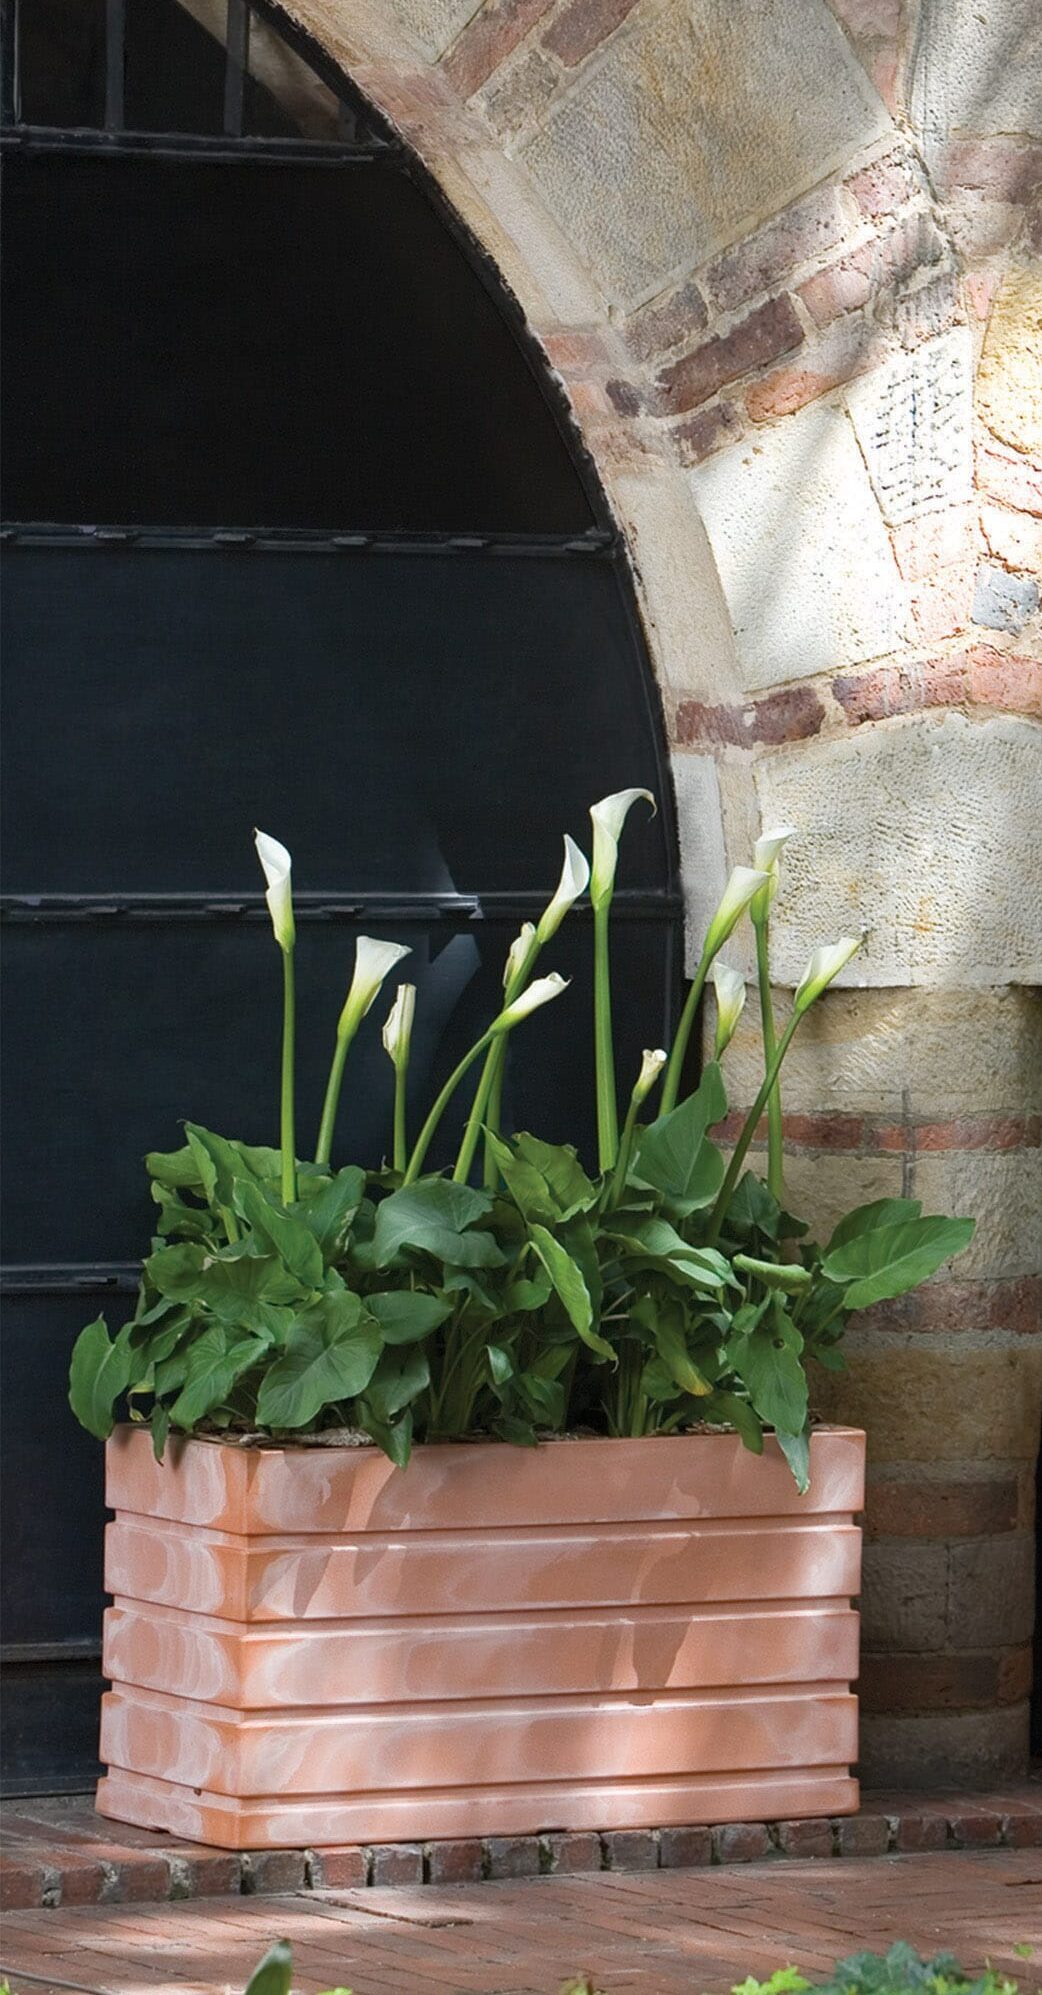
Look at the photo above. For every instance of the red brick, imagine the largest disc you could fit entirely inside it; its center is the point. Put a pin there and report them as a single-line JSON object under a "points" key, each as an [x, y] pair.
{"points": [[625, 397], [1003, 168], [82, 1880], [934, 1683], [921, 1832], [140, 1881], [631, 1849], [954, 1305], [805, 1838], [887, 260], [455, 1862], [971, 1509], [488, 39], [740, 1842], [574, 1851], [893, 689], [1022, 1831], [707, 431], [1011, 477], [1000, 679], [825, 1132], [216, 1874], [806, 230], [22, 1885], [885, 185], [666, 322], [345, 1869], [863, 1835], [582, 25], [968, 1132], [790, 715], [846, 350], [273, 1870], [685, 1849], [512, 1856], [396, 1863], [975, 1829], [763, 336], [516, 98]]}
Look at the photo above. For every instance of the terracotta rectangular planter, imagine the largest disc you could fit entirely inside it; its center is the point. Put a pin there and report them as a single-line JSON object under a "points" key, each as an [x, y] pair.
{"points": [[309, 1646]]}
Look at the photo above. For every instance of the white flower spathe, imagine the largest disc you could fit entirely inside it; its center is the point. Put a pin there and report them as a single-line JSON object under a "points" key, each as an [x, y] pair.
{"points": [[745, 881], [540, 991], [651, 1065], [825, 963], [766, 856], [574, 880], [397, 1030], [373, 962], [518, 953], [277, 866], [729, 986], [608, 818]]}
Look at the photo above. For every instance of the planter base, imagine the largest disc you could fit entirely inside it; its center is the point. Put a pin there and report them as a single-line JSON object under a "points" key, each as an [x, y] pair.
{"points": [[311, 1648]]}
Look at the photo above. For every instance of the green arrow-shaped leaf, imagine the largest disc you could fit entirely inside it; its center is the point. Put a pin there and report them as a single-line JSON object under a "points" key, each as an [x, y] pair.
{"points": [[331, 1354]]}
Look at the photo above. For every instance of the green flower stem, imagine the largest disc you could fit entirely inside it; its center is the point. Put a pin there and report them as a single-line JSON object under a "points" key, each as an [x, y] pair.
{"points": [[629, 1130], [494, 1115], [288, 1136], [401, 1147], [423, 1140], [324, 1144], [775, 1152], [604, 1047], [719, 1212], [494, 1063], [674, 1069]]}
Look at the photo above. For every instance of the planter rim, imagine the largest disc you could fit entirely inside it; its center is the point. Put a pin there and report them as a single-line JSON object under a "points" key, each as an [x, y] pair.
{"points": [[441, 1450]]}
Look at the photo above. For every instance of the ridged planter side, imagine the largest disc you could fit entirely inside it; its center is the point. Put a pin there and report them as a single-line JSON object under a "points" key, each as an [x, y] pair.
{"points": [[309, 1647]]}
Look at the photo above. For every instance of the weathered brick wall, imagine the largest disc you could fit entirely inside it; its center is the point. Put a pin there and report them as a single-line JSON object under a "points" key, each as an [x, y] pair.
{"points": [[785, 259]]}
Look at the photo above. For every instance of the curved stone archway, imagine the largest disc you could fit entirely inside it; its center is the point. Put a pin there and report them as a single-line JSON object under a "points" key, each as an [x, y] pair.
{"points": [[785, 263]]}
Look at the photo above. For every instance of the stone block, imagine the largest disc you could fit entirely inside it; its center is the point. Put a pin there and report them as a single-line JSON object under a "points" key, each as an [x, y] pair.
{"points": [[396, 1863], [1002, 601], [805, 1838], [434, 24], [741, 1842], [864, 1835], [707, 430], [574, 1851], [1015, 538], [802, 552], [1009, 384], [703, 865], [1003, 1191], [946, 1748], [920, 1396], [914, 422], [992, 1591], [821, 1191], [650, 173], [924, 835], [459, 1862], [976, 70], [512, 1856], [921, 1505], [941, 1052], [904, 1597], [685, 1849], [686, 619], [631, 1849]]}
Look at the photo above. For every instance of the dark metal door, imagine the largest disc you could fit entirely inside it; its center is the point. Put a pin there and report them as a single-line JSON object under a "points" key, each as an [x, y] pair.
{"points": [[295, 536]]}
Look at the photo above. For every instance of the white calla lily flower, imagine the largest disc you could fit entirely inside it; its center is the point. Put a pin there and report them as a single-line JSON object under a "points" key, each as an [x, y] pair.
{"points": [[397, 1030], [608, 818], [517, 954], [574, 880], [825, 963], [540, 991], [277, 866], [651, 1065], [743, 884], [373, 962], [729, 986], [766, 856]]}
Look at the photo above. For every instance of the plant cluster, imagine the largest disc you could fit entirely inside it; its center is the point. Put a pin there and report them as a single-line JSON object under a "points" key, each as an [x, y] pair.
{"points": [[669, 1287]]}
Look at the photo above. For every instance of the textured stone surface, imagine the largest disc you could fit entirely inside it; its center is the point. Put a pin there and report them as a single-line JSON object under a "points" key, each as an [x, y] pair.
{"points": [[978, 1747], [802, 553], [913, 419], [685, 616], [920, 1397], [904, 1597], [1004, 1193], [1002, 601], [992, 1593], [703, 866], [667, 146], [926, 833], [434, 24], [823, 1195], [1009, 386], [949, 1052], [977, 69]]}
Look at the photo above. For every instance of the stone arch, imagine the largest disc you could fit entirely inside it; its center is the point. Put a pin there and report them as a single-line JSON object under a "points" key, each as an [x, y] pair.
{"points": [[785, 263]]}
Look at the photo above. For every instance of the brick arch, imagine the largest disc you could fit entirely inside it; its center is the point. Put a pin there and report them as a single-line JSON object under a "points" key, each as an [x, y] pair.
{"points": [[785, 263]]}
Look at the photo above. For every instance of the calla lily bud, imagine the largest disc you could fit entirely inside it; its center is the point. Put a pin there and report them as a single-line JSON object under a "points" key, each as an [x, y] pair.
{"points": [[651, 1066], [397, 1031], [766, 855], [744, 883], [825, 964], [574, 880], [540, 991], [277, 866], [373, 962], [517, 954], [608, 817], [730, 999]]}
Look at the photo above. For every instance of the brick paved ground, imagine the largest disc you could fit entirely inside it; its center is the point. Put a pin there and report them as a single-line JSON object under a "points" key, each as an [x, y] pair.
{"points": [[637, 1933], [59, 1852]]}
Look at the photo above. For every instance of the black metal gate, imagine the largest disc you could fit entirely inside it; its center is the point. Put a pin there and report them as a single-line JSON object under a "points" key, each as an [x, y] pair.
{"points": [[296, 536]]}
